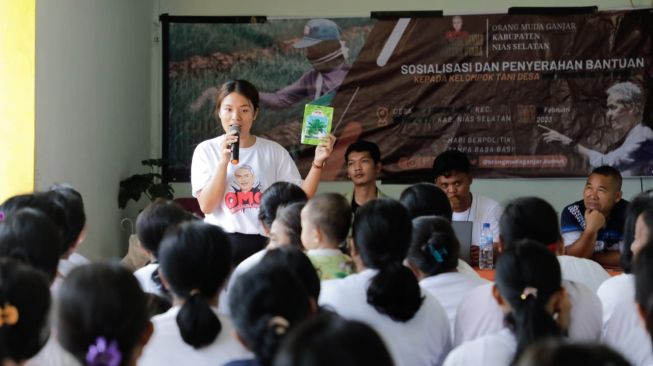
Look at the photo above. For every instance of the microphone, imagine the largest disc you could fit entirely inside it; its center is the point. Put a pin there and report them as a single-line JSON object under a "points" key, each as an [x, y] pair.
{"points": [[235, 147]]}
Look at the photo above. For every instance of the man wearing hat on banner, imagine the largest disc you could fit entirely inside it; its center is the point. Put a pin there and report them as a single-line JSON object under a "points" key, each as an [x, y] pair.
{"points": [[327, 54]]}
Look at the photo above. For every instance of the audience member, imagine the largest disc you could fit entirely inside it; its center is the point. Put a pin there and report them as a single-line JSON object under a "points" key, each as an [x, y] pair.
{"points": [[554, 352], [195, 263], [593, 227], [385, 294], [73, 206], [102, 315], [644, 286], [286, 229], [326, 220], [293, 259], [363, 159]]}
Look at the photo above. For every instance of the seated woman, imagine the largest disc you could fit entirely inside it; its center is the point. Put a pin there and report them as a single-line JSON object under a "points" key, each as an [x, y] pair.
{"points": [[383, 293]]}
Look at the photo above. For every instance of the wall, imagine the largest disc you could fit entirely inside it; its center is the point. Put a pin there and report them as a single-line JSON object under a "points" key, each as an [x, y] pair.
{"points": [[557, 191], [93, 104]]}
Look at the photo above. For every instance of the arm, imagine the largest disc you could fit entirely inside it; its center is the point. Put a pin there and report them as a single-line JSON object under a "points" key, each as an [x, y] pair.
{"points": [[289, 95], [210, 197], [322, 152], [608, 259], [584, 246]]}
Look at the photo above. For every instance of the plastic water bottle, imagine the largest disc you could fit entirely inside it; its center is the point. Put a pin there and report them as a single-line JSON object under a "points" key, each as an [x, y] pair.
{"points": [[485, 248]]}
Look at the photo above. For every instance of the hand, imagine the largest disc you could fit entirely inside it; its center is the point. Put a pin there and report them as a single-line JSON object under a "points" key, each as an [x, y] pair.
{"points": [[473, 255], [229, 139], [594, 220], [324, 149], [553, 135]]}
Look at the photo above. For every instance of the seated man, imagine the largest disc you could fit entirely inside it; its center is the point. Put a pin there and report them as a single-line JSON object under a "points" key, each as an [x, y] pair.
{"points": [[452, 173], [363, 160], [593, 227]]}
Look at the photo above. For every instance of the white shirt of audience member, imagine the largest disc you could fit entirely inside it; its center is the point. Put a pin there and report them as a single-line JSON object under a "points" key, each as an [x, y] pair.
{"points": [[482, 210]]}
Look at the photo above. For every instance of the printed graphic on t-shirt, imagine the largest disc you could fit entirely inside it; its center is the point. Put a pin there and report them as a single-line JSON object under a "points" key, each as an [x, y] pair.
{"points": [[245, 190]]}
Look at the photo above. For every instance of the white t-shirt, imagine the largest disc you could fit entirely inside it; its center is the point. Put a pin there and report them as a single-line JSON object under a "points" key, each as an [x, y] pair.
{"points": [[63, 269], [259, 166], [622, 328], [242, 267], [449, 289], [582, 270], [166, 347], [479, 314], [493, 349], [423, 340], [144, 277], [482, 210]]}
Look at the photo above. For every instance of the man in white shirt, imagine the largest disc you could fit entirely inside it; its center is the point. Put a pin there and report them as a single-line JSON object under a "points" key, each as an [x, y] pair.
{"points": [[452, 173]]}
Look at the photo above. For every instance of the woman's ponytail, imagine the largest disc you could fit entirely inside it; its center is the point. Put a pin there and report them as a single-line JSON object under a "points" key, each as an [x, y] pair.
{"points": [[394, 291]]}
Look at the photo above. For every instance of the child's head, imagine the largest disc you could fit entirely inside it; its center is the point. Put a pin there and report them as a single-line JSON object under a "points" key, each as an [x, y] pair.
{"points": [[325, 219], [434, 248], [24, 308], [73, 205], [275, 196], [528, 288], [286, 229], [297, 262], [426, 199], [30, 236], [639, 204], [237, 104], [265, 303], [382, 233], [155, 219], [328, 339], [555, 352], [530, 218], [102, 315], [195, 262]]}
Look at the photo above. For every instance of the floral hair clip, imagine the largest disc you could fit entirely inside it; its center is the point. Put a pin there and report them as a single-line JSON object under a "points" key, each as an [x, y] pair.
{"points": [[8, 315], [103, 353], [2, 216], [528, 291], [436, 253]]}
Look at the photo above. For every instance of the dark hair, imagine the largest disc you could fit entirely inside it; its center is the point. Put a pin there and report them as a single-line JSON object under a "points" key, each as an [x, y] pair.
{"points": [[155, 219], [265, 302], [156, 304], [101, 300], [196, 261], [382, 234], [73, 205], [608, 171], [290, 217], [426, 199], [242, 87], [25, 290], [44, 202], [529, 218], [29, 235], [279, 193], [555, 352], [298, 263], [639, 204], [449, 162], [643, 270], [363, 146], [331, 214], [434, 248], [329, 339], [528, 264]]}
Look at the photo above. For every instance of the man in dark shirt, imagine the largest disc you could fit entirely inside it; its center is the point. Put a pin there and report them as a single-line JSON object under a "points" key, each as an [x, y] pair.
{"points": [[593, 227]]}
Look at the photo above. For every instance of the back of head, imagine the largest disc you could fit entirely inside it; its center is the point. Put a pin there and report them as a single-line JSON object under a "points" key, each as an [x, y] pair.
{"points": [[73, 205], [329, 339], [278, 194], [559, 353], [25, 304], [297, 262], [101, 304], [331, 213], [30, 236], [639, 204], [426, 199], [527, 275], [434, 248], [608, 171], [382, 234], [289, 216], [364, 146], [643, 270], [196, 261], [155, 219], [529, 218], [265, 303], [449, 162]]}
